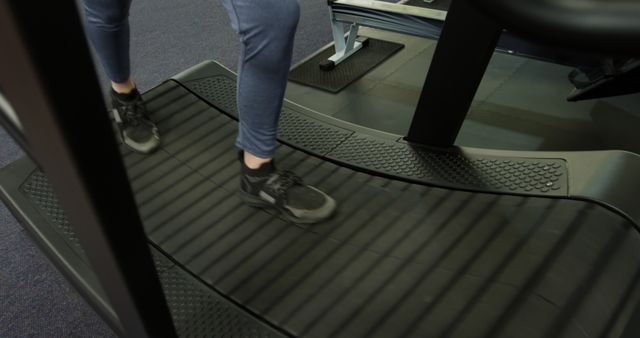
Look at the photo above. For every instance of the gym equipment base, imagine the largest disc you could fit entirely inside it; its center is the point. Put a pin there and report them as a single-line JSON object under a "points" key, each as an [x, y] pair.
{"points": [[308, 72]]}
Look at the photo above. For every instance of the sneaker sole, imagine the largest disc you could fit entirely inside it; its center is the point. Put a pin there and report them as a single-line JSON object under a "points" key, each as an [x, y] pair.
{"points": [[116, 120], [258, 202]]}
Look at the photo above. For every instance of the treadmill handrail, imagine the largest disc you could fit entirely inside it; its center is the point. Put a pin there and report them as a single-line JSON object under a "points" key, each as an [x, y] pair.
{"points": [[610, 26]]}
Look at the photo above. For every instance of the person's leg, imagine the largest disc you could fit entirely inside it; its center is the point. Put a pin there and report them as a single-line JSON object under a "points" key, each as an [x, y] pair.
{"points": [[266, 29], [108, 30], [107, 26]]}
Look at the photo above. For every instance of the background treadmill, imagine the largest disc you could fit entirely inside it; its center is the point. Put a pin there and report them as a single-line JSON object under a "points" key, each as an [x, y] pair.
{"points": [[428, 242]]}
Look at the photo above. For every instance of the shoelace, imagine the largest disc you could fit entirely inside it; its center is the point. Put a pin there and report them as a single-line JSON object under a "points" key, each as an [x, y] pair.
{"points": [[285, 180], [132, 112]]}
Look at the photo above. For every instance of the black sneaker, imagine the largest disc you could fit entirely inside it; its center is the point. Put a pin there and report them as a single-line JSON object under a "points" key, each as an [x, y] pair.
{"points": [[266, 187], [135, 129]]}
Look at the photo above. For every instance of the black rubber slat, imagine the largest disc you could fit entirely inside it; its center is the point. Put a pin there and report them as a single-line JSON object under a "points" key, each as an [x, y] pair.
{"points": [[442, 5], [38, 190], [354, 67]]}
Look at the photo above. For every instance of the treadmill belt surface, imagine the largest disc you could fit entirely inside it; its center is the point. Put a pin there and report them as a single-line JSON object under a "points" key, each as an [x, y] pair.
{"points": [[397, 259]]}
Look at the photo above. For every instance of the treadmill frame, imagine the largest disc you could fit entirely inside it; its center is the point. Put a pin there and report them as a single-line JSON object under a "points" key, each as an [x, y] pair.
{"points": [[92, 185]]}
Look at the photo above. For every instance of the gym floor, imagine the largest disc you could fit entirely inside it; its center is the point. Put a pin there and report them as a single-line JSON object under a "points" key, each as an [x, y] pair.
{"points": [[520, 105]]}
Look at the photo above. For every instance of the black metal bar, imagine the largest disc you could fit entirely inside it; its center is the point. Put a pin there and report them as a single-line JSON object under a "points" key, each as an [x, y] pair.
{"points": [[464, 49], [47, 74]]}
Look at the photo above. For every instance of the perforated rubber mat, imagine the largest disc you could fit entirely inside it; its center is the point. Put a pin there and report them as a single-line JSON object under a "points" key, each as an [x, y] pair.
{"points": [[356, 66], [397, 260]]}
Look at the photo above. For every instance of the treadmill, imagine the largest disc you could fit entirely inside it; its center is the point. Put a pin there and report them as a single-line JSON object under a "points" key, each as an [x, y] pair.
{"points": [[430, 240]]}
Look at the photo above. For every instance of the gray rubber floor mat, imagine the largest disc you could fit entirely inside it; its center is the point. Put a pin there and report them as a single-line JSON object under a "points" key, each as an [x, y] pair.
{"points": [[309, 73]]}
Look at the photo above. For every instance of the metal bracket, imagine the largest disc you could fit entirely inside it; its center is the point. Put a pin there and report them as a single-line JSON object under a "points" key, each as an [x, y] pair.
{"points": [[343, 48]]}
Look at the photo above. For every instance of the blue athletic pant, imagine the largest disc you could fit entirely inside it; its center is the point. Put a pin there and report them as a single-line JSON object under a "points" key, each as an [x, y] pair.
{"points": [[266, 29]]}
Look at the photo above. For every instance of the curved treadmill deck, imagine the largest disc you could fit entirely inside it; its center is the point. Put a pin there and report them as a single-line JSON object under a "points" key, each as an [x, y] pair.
{"points": [[398, 259]]}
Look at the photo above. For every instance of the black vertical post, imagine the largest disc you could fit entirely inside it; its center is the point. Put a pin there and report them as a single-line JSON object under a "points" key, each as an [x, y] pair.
{"points": [[461, 57], [47, 74]]}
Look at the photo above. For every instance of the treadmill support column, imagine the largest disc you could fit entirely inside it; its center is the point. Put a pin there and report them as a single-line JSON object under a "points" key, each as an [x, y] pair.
{"points": [[463, 52]]}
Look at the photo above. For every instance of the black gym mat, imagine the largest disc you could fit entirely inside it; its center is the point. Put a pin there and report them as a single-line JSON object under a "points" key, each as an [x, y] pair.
{"points": [[308, 72], [442, 5]]}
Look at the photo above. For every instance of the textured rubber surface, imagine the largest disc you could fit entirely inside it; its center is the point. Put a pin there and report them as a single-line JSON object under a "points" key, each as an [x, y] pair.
{"points": [[38, 189], [357, 65], [40, 192], [531, 176], [397, 260], [458, 170], [442, 5], [221, 87], [197, 310]]}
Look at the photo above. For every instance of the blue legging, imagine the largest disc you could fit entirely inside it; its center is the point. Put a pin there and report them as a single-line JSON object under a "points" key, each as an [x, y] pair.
{"points": [[266, 29]]}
